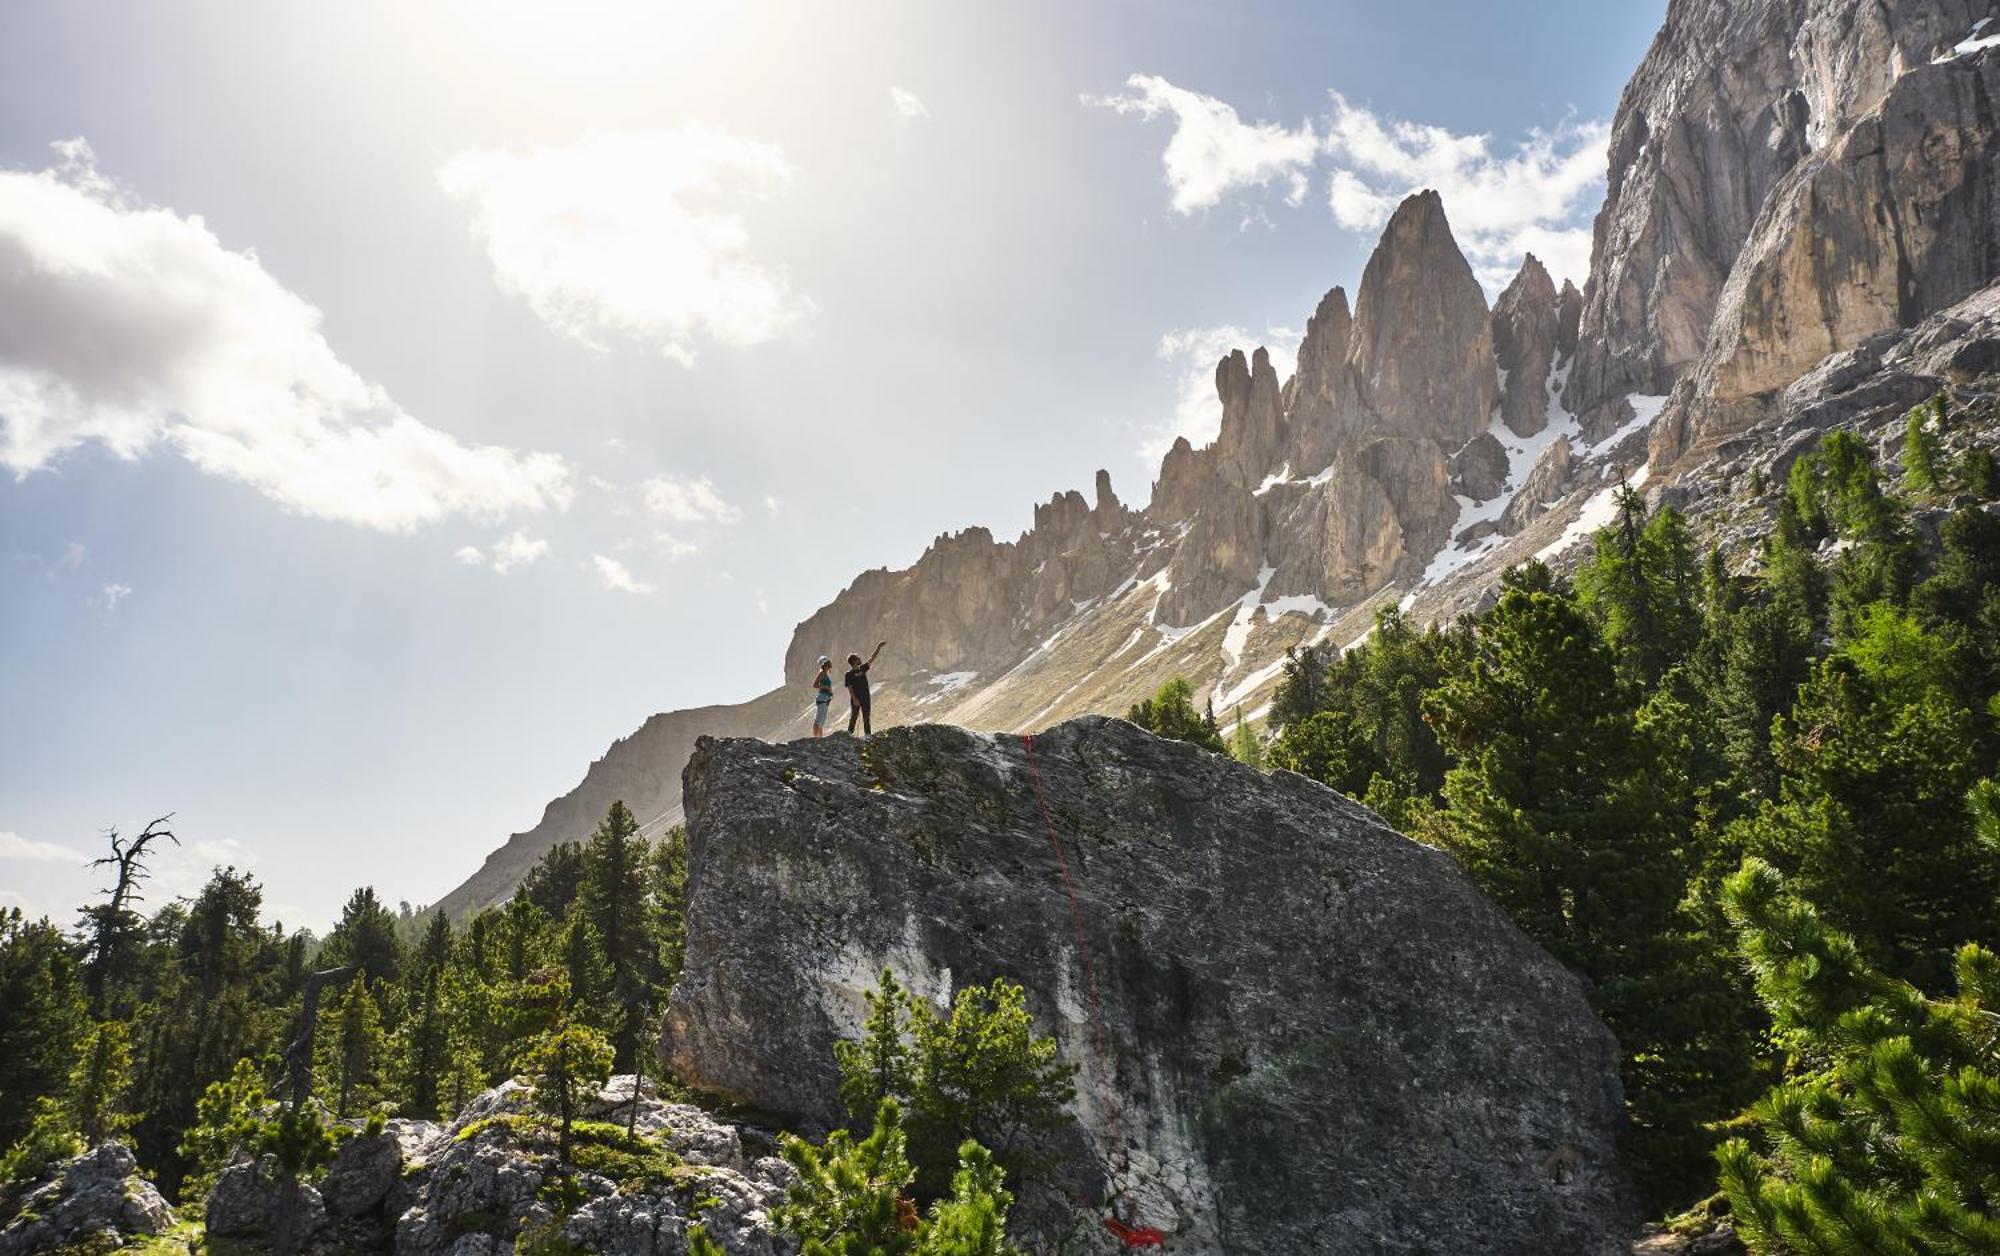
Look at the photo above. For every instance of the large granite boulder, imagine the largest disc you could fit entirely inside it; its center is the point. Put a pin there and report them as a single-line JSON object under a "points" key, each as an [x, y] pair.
{"points": [[1317, 1036], [93, 1202]]}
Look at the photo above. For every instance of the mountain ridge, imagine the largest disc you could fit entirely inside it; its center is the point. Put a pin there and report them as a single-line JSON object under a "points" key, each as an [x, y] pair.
{"points": [[1425, 441]]}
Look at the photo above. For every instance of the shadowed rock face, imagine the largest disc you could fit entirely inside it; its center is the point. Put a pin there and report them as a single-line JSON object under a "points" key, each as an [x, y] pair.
{"points": [[1525, 332], [1319, 1036]]}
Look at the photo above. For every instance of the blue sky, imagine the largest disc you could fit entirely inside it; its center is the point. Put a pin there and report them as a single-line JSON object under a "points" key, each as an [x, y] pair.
{"points": [[398, 403]]}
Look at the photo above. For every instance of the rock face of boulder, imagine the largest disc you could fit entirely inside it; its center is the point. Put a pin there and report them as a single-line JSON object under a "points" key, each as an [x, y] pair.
{"points": [[94, 1202], [1318, 1037]]}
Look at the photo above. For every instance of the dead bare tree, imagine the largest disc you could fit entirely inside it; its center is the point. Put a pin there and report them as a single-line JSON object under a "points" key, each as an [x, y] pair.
{"points": [[114, 922]]}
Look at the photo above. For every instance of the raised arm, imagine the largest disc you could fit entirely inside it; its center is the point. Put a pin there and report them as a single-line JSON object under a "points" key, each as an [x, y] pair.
{"points": [[878, 651]]}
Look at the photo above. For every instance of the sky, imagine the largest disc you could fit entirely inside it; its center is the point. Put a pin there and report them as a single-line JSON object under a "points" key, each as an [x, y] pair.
{"points": [[398, 403]]}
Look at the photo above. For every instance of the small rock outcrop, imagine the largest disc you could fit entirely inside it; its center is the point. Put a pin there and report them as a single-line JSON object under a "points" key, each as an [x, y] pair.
{"points": [[94, 1202], [479, 1185], [1479, 470], [1318, 1036]]}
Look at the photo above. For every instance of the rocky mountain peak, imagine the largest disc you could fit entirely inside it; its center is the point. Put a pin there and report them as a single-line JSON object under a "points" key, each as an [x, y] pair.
{"points": [[1526, 328], [1421, 350], [1319, 394], [1253, 419]]}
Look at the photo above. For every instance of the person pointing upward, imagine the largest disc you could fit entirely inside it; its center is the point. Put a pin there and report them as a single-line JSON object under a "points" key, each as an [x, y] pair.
{"points": [[857, 690]]}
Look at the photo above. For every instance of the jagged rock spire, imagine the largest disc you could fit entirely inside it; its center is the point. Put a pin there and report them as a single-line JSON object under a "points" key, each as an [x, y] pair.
{"points": [[1422, 349], [1526, 326], [1319, 399]]}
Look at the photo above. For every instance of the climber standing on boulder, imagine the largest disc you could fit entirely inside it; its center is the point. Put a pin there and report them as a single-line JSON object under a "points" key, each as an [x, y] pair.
{"points": [[857, 690], [822, 695]]}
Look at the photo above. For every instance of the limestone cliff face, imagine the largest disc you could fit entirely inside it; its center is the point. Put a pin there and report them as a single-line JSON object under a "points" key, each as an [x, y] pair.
{"points": [[1704, 130], [1889, 218], [1319, 398], [1421, 351], [1318, 1037], [1526, 333]]}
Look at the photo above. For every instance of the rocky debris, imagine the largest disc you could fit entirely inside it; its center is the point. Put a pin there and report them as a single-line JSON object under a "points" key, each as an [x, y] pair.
{"points": [[1479, 470], [1545, 484], [1720, 1240], [1421, 349], [1358, 1055], [96, 1201], [1526, 328]]}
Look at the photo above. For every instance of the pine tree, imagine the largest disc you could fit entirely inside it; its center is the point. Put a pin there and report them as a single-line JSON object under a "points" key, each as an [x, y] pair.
{"points": [[1887, 1136], [110, 928], [1243, 744], [1556, 810], [852, 1198], [589, 977], [424, 1042], [613, 899], [41, 990], [567, 1065], [666, 888], [228, 1118], [206, 1016], [367, 937], [1923, 458], [979, 1072], [555, 880], [1979, 473], [1171, 713], [353, 1051], [98, 1084]]}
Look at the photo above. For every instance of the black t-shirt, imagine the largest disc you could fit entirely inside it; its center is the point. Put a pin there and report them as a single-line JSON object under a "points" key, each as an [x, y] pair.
{"points": [[857, 682]]}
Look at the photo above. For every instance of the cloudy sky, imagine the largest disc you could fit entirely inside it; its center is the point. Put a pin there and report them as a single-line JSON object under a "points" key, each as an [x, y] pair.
{"points": [[400, 402]]}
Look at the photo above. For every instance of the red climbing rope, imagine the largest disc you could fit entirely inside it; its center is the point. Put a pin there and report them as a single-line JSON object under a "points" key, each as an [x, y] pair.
{"points": [[1129, 1235]]}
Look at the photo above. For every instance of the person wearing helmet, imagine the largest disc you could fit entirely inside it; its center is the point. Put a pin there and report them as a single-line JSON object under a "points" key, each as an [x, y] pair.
{"points": [[857, 690], [822, 695]]}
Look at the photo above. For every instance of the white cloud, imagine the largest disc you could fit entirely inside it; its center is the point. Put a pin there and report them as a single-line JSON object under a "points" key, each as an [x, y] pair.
{"points": [[633, 235], [908, 105], [73, 556], [1534, 197], [772, 505], [11, 898], [14, 846], [613, 575], [108, 596], [1192, 354], [134, 327], [674, 547], [516, 549], [1213, 152], [687, 499]]}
